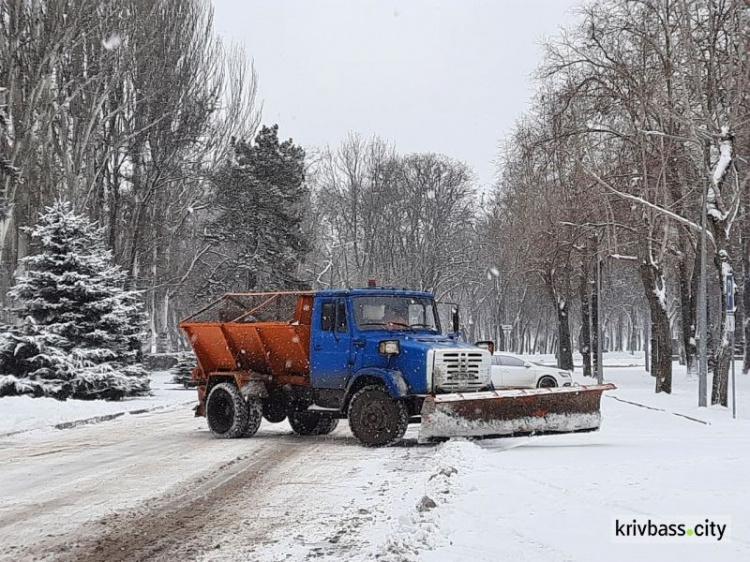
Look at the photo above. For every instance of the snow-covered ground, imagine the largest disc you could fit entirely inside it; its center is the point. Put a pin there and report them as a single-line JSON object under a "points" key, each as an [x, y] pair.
{"points": [[158, 487], [23, 413]]}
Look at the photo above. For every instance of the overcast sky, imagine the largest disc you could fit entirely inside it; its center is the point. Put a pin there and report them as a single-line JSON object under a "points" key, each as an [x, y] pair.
{"points": [[447, 76]]}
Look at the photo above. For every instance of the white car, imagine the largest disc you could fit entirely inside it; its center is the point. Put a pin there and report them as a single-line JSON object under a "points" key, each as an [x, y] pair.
{"points": [[512, 371]]}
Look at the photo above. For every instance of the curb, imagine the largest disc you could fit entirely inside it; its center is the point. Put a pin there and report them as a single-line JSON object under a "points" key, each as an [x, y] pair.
{"points": [[704, 422]]}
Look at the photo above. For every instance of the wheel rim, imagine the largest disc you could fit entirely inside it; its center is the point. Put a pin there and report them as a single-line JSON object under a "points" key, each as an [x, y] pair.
{"points": [[221, 412], [547, 383], [375, 417]]}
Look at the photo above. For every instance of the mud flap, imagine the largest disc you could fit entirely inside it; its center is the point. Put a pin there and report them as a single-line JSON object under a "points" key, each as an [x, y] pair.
{"points": [[512, 412]]}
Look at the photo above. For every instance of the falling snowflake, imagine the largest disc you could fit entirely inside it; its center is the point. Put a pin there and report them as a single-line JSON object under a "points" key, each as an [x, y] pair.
{"points": [[112, 42]]}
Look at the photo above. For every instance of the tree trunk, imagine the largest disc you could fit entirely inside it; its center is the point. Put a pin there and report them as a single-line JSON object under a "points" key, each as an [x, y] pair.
{"points": [[565, 355], [646, 344], [595, 326], [633, 340], [661, 342], [724, 353], [688, 289], [585, 319], [746, 293]]}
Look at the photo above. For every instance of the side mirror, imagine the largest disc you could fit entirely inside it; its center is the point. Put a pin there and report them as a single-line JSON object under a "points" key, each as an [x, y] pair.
{"points": [[488, 345], [454, 319], [527, 365]]}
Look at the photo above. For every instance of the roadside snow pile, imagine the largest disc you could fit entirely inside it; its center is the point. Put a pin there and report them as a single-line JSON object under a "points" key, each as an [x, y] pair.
{"points": [[24, 413], [419, 529]]}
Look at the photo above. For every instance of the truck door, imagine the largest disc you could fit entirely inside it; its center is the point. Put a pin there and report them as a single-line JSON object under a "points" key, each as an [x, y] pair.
{"points": [[330, 353]]}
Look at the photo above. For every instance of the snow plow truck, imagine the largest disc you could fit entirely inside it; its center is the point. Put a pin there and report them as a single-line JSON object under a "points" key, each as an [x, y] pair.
{"points": [[374, 356]]}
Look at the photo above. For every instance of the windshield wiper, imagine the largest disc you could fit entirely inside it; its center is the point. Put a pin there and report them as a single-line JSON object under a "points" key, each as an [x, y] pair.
{"points": [[371, 324], [386, 324], [429, 326], [400, 324]]}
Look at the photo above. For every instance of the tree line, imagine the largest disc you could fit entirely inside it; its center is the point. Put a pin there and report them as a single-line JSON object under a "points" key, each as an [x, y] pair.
{"points": [[125, 109], [137, 114], [641, 109]]}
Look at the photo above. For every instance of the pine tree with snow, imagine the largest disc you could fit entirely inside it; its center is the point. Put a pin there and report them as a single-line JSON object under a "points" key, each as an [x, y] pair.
{"points": [[82, 331], [182, 371], [260, 196]]}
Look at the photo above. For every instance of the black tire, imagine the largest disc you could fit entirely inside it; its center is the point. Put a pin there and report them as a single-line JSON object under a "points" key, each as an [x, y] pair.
{"points": [[312, 423], [226, 411], [275, 407], [546, 382], [376, 419]]}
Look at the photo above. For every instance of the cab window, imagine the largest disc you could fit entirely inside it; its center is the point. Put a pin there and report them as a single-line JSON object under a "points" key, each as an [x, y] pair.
{"points": [[327, 317], [341, 316]]}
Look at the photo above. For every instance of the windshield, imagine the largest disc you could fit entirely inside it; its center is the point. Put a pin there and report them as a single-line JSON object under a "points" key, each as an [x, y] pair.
{"points": [[395, 313]]}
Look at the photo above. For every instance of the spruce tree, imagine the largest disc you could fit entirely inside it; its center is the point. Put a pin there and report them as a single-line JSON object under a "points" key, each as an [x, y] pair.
{"points": [[81, 332], [182, 371], [260, 199]]}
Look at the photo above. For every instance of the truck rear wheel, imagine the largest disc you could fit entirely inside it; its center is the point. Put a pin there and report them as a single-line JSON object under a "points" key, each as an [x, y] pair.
{"points": [[311, 423], [227, 411], [254, 417], [375, 418]]}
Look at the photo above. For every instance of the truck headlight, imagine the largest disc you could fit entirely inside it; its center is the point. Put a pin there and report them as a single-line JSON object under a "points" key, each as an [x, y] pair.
{"points": [[389, 347]]}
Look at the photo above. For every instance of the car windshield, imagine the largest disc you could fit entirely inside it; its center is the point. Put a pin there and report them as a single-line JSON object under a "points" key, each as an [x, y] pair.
{"points": [[395, 313]]}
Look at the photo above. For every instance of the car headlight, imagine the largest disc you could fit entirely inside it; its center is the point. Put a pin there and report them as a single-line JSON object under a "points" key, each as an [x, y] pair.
{"points": [[389, 347], [565, 374]]}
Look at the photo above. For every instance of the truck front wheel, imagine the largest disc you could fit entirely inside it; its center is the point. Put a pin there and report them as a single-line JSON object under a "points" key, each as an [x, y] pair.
{"points": [[375, 418], [227, 411], [311, 423]]}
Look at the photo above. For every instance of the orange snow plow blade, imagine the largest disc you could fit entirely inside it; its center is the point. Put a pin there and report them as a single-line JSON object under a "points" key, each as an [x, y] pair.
{"points": [[512, 412]]}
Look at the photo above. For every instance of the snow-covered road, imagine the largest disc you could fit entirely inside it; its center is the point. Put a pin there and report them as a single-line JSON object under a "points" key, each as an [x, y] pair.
{"points": [[158, 487]]}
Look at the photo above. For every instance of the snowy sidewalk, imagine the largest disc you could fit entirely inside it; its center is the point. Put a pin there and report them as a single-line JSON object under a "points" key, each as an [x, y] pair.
{"points": [[552, 498], [23, 413]]}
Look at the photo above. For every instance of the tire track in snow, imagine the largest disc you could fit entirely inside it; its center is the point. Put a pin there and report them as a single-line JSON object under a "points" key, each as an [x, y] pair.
{"points": [[179, 526]]}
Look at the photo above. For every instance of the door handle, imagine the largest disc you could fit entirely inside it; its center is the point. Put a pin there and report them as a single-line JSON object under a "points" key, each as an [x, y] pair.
{"points": [[318, 346]]}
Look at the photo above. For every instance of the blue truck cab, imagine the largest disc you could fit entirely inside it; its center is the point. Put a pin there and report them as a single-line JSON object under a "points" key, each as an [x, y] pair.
{"points": [[390, 340]]}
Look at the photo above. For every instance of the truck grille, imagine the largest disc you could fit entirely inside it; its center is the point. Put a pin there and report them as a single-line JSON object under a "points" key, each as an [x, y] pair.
{"points": [[461, 371]]}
